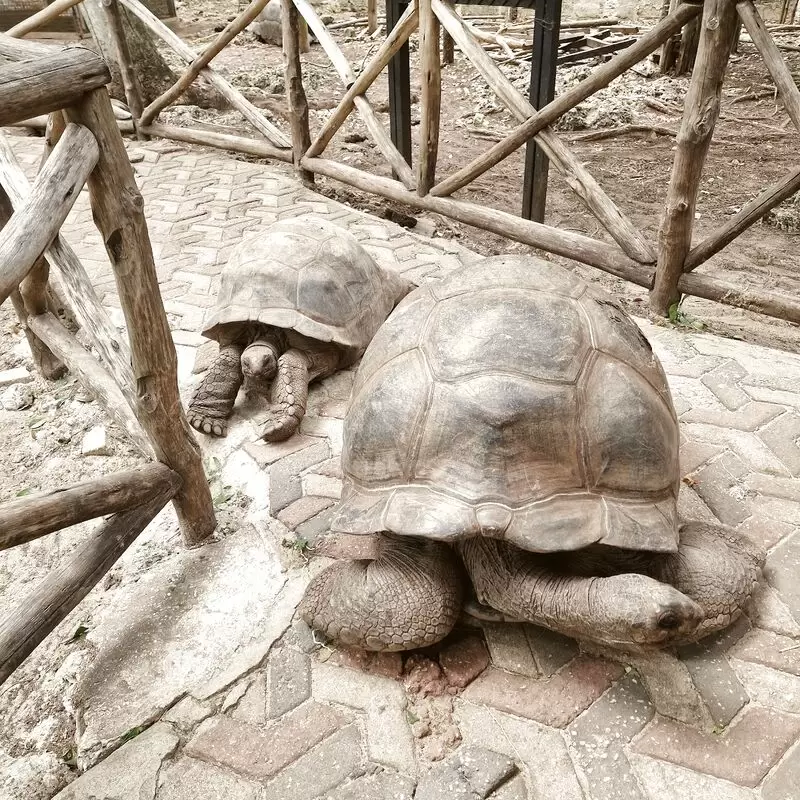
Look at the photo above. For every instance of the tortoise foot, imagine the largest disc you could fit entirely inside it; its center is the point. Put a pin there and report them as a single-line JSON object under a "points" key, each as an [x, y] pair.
{"points": [[279, 428], [205, 424]]}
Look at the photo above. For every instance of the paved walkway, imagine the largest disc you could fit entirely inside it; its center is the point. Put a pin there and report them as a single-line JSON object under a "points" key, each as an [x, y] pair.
{"points": [[505, 712]]}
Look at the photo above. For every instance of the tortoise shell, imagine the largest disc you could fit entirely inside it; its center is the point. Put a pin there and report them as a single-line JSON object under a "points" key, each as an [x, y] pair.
{"points": [[311, 276], [512, 400]]}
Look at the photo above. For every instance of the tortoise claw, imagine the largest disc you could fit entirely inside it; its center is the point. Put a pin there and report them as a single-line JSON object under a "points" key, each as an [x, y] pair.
{"points": [[208, 425]]}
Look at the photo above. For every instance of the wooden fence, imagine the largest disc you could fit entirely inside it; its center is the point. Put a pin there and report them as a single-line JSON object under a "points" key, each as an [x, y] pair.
{"points": [[665, 268], [137, 381]]}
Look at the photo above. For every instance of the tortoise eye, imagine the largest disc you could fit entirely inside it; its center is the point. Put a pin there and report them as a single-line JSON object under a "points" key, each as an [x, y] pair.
{"points": [[668, 621]]}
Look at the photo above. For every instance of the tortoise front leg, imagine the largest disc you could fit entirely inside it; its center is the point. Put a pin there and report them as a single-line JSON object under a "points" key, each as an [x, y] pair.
{"points": [[296, 369], [213, 400]]}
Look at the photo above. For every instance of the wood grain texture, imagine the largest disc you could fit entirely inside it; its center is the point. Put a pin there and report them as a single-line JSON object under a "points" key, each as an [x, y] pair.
{"points": [[577, 176], [239, 144], [28, 623], [45, 84], [40, 18], [236, 99], [36, 222], [700, 113], [28, 518], [598, 79], [118, 211], [12, 49], [430, 97]]}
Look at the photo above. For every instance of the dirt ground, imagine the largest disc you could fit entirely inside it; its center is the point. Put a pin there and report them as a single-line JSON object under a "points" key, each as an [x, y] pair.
{"points": [[754, 146]]}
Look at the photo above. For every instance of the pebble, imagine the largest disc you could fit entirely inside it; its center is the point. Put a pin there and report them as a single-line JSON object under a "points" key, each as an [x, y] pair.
{"points": [[17, 397], [95, 442], [15, 375]]}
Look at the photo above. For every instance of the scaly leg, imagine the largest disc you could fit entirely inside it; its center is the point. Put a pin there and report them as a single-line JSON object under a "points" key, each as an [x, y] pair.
{"points": [[213, 401]]}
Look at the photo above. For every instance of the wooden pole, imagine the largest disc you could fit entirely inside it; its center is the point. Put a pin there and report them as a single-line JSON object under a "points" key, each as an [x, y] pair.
{"points": [[687, 55], [372, 16], [577, 176], [118, 211], [42, 85], [52, 600], [700, 112], [769, 51], [448, 53], [553, 240], [130, 80], [85, 367], [750, 213], [236, 99], [82, 296], [295, 93], [239, 144], [342, 66], [40, 18], [430, 97], [28, 518], [55, 190], [391, 45], [12, 49], [226, 36], [599, 79]]}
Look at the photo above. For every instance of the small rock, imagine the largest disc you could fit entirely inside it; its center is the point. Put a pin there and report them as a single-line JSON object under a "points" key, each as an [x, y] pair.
{"points": [[355, 138], [95, 442], [16, 375], [424, 676], [464, 660], [17, 397]]}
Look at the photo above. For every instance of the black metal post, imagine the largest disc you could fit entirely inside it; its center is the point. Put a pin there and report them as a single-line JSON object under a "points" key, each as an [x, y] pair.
{"points": [[542, 90], [399, 86]]}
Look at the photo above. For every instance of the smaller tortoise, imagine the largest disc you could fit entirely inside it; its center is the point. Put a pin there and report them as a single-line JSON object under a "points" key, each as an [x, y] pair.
{"points": [[296, 302], [516, 417]]}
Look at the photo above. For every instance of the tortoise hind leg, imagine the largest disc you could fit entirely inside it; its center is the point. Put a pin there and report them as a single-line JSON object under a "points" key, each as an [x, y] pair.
{"points": [[213, 400], [296, 369], [408, 597]]}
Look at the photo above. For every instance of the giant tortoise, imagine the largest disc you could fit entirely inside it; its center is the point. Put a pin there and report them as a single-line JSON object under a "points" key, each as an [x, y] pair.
{"points": [[517, 417]]}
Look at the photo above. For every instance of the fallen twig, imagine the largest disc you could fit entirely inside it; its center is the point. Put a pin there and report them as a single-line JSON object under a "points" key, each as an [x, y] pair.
{"points": [[621, 130]]}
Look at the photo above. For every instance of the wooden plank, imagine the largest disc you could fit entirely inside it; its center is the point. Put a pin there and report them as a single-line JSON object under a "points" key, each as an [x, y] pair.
{"points": [[599, 79], [594, 52], [561, 242], [226, 36], [28, 623], [105, 338], [85, 367], [40, 18], [236, 99], [363, 106], [295, 92], [42, 85], [55, 190], [396, 39], [750, 213], [577, 176], [430, 97], [700, 112], [118, 211], [27, 518], [776, 65], [208, 138]]}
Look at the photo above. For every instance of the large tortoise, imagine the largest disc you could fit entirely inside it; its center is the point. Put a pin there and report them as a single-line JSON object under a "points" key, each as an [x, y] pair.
{"points": [[519, 417], [296, 302]]}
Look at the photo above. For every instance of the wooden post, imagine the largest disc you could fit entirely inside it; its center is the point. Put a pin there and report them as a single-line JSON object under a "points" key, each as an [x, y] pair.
{"points": [[118, 211], [448, 51], [130, 80], [372, 16], [295, 92], [28, 518], [38, 614], [56, 188], [700, 113], [12, 49], [687, 54], [45, 84], [85, 367], [430, 97]]}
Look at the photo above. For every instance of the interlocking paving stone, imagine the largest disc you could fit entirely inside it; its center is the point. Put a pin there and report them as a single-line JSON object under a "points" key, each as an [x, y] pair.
{"points": [[598, 737], [784, 782], [285, 485], [555, 701], [320, 769], [262, 753], [743, 754], [384, 785], [782, 570], [183, 780], [769, 687], [664, 781], [307, 506], [288, 680], [716, 681], [769, 649]]}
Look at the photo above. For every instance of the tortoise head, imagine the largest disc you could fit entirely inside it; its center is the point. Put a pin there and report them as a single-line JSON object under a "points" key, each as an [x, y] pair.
{"points": [[260, 364]]}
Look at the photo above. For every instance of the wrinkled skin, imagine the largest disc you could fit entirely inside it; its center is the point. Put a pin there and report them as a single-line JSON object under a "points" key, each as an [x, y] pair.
{"points": [[628, 600], [264, 359]]}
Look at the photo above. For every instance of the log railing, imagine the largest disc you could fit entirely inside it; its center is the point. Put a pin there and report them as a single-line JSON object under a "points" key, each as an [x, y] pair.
{"points": [[137, 381], [665, 267]]}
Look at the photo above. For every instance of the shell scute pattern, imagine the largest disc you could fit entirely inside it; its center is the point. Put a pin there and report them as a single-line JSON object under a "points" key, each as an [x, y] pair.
{"points": [[497, 403]]}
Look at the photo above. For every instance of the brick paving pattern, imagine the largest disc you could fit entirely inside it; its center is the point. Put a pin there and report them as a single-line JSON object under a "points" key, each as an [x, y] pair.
{"points": [[545, 718]]}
